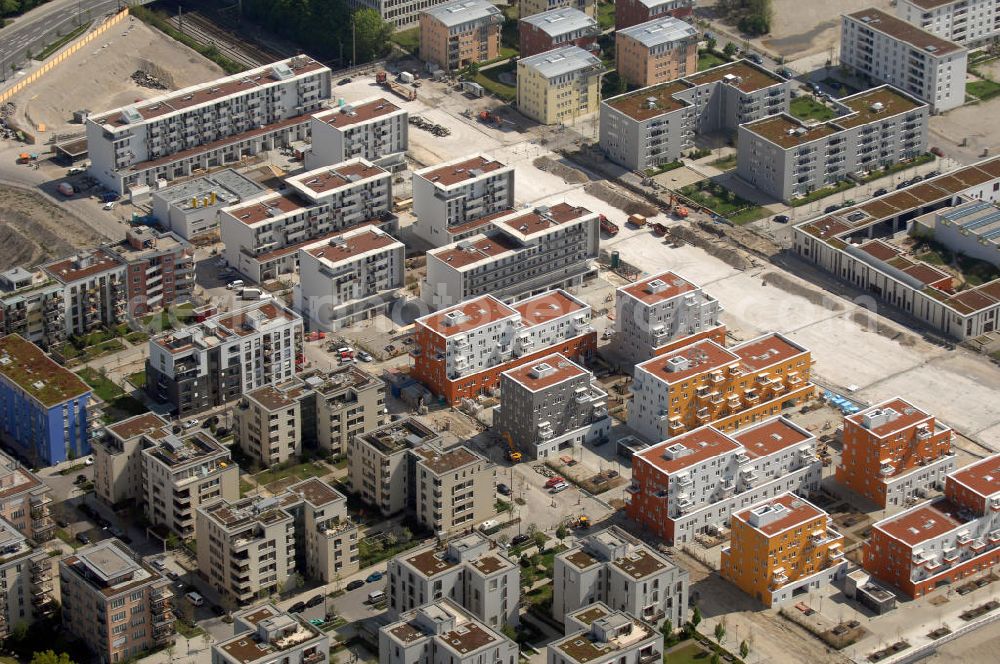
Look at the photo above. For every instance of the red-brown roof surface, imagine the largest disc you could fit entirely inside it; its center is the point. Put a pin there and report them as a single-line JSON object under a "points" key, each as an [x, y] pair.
{"points": [[261, 210], [320, 181], [880, 250], [769, 437], [704, 443], [363, 112], [923, 522], [675, 285], [529, 223], [354, 244], [480, 311], [799, 512], [564, 369], [982, 477], [98, 261], [908, 416], [446, 176], [758, 354], [546, 306], [474, 249], [702, 356]]}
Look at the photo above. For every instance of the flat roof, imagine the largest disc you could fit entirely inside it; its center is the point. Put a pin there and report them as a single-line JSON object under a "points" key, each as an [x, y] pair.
{"points": [[665, 30], [461, 170], [356, 113], [38, 375], [933, 4], [875, 104], [229, 186], [110, 567], [329, 178], [788, 132], [797, 511], [267, 207], [462, 11], [265, 312], [271, 398], [491, 564], [766, 351], [692, 360], [466, 316], [561, 20], [176, 451], [431, 562], [751, 77], [770, 436], [351, 246], [473, 250], [440, 461], [640, 563], [923, 522], [137, 426], [561, 61], [86, 264], [658, 287], [651, 102], [906, 416], [579, 558], [688, 449], [547, 306], [583, 647], [983, 477], [526, 225], [556, 369], [317, 492], [899, 29]]}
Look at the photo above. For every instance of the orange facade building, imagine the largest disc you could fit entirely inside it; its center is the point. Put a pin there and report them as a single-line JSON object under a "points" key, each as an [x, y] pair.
{"points": [[781, 548], [894, 453], [656, 52], [456, 34]]}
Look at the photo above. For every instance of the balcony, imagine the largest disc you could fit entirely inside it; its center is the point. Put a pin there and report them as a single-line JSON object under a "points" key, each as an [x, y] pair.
{"points": [[779, 578], [649, 658], [683, 479]]}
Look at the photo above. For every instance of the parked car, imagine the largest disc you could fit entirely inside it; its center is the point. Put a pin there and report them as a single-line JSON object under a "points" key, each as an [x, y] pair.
{"points": [[355, 584], [755, 58], [365, 356], [880, 192], [190, 423], [81, 479], [344, 81], [315, 600], [209, 422], [194, 598], [110, 205], [503, 489], [781, 218], [562, 486], [316, 622], [117, 532], [159, 564], [517, 540], [234, 284], [82, 538], [218, 610], [298, 607], [552, 481], [374, 576], [831, 208]]}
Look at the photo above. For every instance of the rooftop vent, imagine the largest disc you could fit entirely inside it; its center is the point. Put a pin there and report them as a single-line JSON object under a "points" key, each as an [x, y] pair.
{"points": [[679, 363], [542, 370], [656, 286], [877, 107]]}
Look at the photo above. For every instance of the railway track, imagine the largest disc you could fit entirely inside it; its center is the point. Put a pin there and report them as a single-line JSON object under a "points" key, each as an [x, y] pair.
{"points": [[205, 32]]}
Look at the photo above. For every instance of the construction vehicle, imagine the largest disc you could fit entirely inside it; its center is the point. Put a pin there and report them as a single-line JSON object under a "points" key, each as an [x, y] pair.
{"points": [[512, 452], [608, 226], [637, 220], [381, 77], [488, 117], [681, 212], [659, 230], [581, 523]]}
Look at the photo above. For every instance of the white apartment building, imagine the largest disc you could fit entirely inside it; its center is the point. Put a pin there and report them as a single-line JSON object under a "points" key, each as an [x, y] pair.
{"points": [[213, 362], [349, 278], [205, 126], [442, 632], [551, 405], [455, 199], [373, 129], [967, 22], [25, 581], [192, 208], [519, 254], [267, 424], [595, 631], [266, 634], [95, 289], [469, 571], [702, 476], [660, 312], [887, 49], [263, 235], [617, 569]]}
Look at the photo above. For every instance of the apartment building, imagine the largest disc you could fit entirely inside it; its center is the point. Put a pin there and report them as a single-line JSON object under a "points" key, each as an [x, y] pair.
{"points": [[562, 26], [654, 125], [894, 453], [704, 383], [941, 541], [43, 406], [441, 631], [967, 22], [551, 405], [339, 404], [620, 571], [656, 52], [263, 235], [250, 548], [118, 462], [470, 571], [523, 253], [267, 424], [349, 278], [378, 463], [781, 548], [114, 603], [884, 48], [533, 7], [634, 12], [191, 208], [596, 631], [559, 86], [160, 269], [95, 289], [205, 126], [24, 501], [663, 312], [373, 129], [266, 634], [856, 244], [217, 360], [692, 483], [31, 305], [787, 158], [460, 352], [25, 581], [453, 35], [455, 199]]}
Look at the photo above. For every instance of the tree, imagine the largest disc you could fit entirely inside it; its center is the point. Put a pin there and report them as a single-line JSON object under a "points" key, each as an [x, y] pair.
{"points": [[729, 50], [20, 631], [173, 541], [371, 35], [561, 532], [667, 630], [695, 617], [711, 43], [720, 631], [50, 657], [539, 538], [715, 658], [744, 649]]}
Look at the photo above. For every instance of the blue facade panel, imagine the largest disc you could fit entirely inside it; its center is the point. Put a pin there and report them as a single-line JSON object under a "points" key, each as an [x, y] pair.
{"points": [[41, 434]]}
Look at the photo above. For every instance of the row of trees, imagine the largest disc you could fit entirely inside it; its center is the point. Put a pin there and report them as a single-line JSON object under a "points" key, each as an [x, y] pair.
{"points": [[14, 7], [751, 16]]}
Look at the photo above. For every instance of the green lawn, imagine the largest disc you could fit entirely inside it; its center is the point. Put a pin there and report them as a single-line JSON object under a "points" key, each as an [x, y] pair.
{"points": [[843, 185], [807, 108], [302, 471], [102, 385], [408, 40], [245, 487], [983, 89], [138, 379], [186, 630], [689, 653], [122, 408], [707, 60], [663, 168], [899, 166], [606, 15], [62, 41], [723, 202], [726, 163], [490, 80]]}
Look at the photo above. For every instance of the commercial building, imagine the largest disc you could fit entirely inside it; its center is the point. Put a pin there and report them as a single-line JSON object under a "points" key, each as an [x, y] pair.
{"points": [[454, 35], [619, 570], [469, 571], [532, 7], [43, 406], [654, 125], [656, 52], [95, 289], [455, 199], [562, 26], [24, 501], [596, 631], [25, 581], [374, 129], [441, 631], [460, 352], [114, 603], [894, 453], [519, 254], [704, 383], [263, 235], [551, 405], [786, 158], [971, 229], [250, 548], [205, 126], [192, 208], [559, 86], [634, 12], [663, 312], [856, 244], [691, 484], [213, 362], [266, 634], [967, 22], [782, 547], [884, 48], [939, 542], [31, 305], [349, 278]]}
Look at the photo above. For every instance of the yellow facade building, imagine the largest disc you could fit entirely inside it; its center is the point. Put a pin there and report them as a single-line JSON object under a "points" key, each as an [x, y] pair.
{"points": [[560, 85]]}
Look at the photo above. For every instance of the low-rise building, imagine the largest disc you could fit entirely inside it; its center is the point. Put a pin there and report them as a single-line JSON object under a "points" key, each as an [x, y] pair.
{"points": [[469, 571], [783, 547], [95, 289], [894, 453], [596, 631], [43, 406], [349, 278], [373, 129], [25, 582], [160, 269], [967, 22], [31, 305], [656, 52], [551, 246], [563, 26], [634, 12], [532, 7], [114, 603], [441, 631], [266, 634], [24, 501], [192, 208], [971, 229], [460, 352], [559, 86], [551, 405], [884, 48], [454, 35], [617, 569]]}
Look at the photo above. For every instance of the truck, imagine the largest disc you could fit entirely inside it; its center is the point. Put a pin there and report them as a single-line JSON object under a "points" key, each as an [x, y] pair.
{"points": [[637, 220], [381, 77], [608, 226], [659, 230], [406, 77]]}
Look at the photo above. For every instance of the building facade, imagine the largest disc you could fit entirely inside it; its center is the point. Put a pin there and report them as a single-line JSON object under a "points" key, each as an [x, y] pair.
{"points": [[967, 22], [32, 306], [24, 501], [559, 86], [454, 35], [533, 7], [191, 208], [95, 289], [563, 26], [159, 269], [267, 424], [656, 52], [373, 129], [26, 582], [266, 634], [441, 631], [634, 12], [339, 404]]}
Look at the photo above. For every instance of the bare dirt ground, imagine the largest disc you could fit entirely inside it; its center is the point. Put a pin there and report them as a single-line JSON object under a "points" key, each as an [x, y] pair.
{"points": [[32, 229], [965, 124]]}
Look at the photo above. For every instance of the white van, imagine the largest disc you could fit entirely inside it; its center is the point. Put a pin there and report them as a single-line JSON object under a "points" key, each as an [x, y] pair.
{"points": [[376, 596], [251, 294], [235, 284], [488, 525], [195, 598]]}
